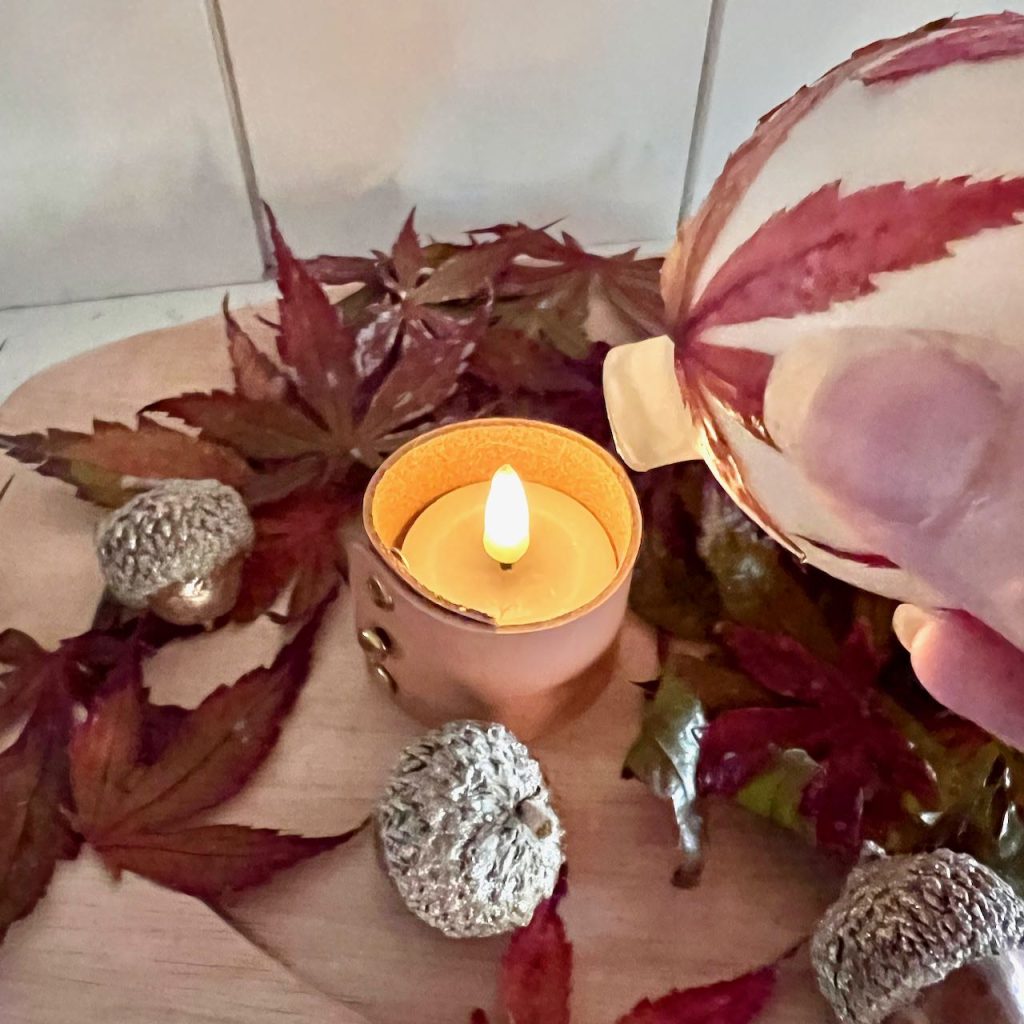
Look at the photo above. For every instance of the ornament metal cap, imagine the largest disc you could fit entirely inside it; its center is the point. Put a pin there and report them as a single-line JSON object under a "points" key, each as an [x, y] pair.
{"points": [[905, 923], [467, 830], [650, 421]]}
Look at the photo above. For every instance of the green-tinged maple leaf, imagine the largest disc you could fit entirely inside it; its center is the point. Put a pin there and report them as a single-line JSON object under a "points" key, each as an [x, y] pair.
{"points": [[867, 767], [34, 832], [672, 588], [536, 982], [776, 793], [665, 758], [98, 463], [208, 861], [756, 580]]}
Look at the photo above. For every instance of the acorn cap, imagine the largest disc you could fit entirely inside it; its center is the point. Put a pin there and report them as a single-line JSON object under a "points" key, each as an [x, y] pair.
{"points": [[467, 831], [177, 532], [905, 923]]}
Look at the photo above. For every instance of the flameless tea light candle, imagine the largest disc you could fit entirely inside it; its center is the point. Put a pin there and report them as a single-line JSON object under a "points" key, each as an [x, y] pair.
{"points": [[518, 553], [493, 575]]}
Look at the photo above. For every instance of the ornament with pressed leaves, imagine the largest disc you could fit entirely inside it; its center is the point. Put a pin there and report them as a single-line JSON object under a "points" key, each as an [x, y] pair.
{"points": [[880, 205]]}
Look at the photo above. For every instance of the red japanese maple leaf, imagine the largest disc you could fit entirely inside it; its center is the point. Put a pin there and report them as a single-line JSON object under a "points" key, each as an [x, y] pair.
{"points": [[34, 833], [866, 766], [536, 982], [133, 776], [35, 797], [137, 792]]}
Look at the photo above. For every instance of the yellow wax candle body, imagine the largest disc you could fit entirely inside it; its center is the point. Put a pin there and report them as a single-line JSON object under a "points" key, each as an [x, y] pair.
{"points": [[569, 562]]}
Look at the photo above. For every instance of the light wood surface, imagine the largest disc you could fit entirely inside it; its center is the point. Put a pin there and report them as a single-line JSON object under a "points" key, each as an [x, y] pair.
{"points": [[344, 946]]}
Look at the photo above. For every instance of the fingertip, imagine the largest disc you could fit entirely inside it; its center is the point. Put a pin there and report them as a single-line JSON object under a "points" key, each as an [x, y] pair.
{"points": [[907, 622], [969, 668]]}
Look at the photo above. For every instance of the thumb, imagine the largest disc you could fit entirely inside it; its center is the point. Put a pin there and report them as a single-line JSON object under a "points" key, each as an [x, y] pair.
{"points": [[916, 439]]}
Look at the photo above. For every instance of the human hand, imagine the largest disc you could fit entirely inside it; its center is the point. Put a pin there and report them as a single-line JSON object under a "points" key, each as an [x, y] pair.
{"points": [[916, 439]]}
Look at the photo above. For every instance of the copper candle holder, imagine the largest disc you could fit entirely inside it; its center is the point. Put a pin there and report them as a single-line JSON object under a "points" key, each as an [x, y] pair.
{"points": [[441, 661]]}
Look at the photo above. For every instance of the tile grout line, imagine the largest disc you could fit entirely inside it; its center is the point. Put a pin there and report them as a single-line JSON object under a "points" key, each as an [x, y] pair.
{"points": [[227, 70], [703, 105]]}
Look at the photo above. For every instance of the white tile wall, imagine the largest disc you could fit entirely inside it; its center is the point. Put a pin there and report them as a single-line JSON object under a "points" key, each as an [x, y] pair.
{"points": [[473, 110], [767, 49], [119, 171]]}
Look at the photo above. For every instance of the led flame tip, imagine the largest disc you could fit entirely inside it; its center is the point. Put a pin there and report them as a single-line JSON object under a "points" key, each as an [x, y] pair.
{"points": [[506, 518]]}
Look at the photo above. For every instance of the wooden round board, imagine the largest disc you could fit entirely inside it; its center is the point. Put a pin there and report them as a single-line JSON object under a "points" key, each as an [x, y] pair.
{"points": [[334, 922]]}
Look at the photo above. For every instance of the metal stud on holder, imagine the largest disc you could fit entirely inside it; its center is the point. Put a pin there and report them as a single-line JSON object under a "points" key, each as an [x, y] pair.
{"points": [[376, 642], [381, 675], [379, 595]]}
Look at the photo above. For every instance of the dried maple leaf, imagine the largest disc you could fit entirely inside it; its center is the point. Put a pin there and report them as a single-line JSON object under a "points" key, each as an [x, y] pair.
{"points": [[209, 860], [257, 378], [34, 832], [552, 297], [212, 754], [357, 387], [866, 765], [35, 794], [982, 38], [297, 544], [140, 775], [21, 682], [98, 463], [536, 981]]}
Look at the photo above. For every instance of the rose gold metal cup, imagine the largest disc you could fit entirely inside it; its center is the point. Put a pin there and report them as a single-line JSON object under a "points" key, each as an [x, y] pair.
{"points": [[443, 662]]}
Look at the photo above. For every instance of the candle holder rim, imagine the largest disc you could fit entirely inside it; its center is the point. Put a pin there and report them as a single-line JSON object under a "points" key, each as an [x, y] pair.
{"points": [[467, 616]]}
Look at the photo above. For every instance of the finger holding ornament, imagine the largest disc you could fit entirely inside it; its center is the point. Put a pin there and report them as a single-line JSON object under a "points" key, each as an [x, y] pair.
{"points": [[968, 667]]}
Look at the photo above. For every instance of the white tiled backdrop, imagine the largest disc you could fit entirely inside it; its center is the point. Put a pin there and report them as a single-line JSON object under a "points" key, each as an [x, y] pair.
{"points": [[137, 135]]}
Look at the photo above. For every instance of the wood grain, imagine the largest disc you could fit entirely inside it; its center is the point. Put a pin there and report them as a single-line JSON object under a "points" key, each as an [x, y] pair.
{"points": [[335, 922]]}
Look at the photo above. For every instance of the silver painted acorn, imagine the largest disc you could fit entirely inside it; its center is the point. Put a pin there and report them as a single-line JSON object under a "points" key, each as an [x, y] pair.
{"points": [[933, 938], [467, 830], [177, 549]]}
